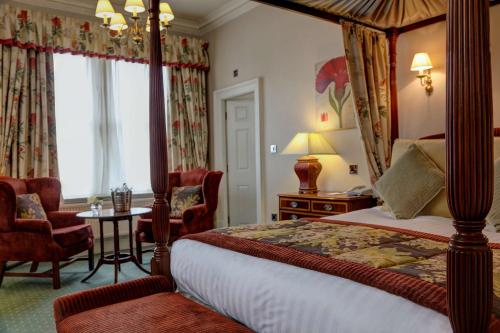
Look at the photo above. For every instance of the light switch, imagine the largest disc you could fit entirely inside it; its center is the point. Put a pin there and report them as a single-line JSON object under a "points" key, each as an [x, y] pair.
{"points": [[273, 149]]}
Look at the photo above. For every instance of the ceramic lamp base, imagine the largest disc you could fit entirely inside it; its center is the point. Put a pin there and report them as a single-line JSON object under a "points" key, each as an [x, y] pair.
{"points": [[307, 169]]}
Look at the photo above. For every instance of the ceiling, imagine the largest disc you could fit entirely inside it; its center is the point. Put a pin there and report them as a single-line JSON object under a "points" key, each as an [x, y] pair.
{"points": [[194, 17]]}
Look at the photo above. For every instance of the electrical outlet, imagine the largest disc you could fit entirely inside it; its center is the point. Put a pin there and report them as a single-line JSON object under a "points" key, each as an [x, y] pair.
{"points": [[274, 217], [353, 169], [273, 149], [236, 72]]}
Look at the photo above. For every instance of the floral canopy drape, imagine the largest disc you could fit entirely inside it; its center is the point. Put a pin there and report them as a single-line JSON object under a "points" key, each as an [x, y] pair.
{"points": [[37, 35], [368, 64]]}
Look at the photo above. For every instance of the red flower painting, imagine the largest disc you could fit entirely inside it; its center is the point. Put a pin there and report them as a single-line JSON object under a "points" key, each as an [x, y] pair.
{"points": [[333, 76]]}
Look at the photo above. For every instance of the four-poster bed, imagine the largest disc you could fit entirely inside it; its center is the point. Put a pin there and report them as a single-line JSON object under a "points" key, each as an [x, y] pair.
{"points": [[469, 150], [469, 166]]}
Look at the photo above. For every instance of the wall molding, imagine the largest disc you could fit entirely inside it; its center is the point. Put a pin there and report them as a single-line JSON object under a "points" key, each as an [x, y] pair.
{"points": [[184, 25]]}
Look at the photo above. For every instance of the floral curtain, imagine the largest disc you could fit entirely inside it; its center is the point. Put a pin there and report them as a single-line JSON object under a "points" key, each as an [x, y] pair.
{"points": [[368, 64], [44, 31], [187, 119], [27, 114]]}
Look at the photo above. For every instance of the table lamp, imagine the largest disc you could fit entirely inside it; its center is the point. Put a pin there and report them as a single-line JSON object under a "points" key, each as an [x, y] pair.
{"points": [[308, 167]]}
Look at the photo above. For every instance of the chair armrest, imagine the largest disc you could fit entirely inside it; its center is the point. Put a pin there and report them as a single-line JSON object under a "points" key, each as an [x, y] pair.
{"points": [[72, 304], [62, 219], [194, 213], [36, 226]]}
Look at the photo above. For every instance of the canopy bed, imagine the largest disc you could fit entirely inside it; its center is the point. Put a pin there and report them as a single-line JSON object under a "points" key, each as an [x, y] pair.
{"points": [[309, 300]]}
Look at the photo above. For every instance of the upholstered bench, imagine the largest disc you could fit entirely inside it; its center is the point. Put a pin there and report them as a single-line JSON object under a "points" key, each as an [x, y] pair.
{"points": [[145, 305]]}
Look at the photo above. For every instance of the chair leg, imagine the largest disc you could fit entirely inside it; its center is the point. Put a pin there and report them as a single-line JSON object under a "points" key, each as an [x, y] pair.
{"points": [[138, 247], [34, 266], [91, 258], [3, 266], [56, 278]]}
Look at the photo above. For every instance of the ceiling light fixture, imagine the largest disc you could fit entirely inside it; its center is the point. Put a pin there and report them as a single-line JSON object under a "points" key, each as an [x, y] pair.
{"points": [[117, 22]]}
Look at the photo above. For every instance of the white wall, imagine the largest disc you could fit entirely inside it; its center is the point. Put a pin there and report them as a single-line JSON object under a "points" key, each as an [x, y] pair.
{"points": [[419, 114], [282, 48]]}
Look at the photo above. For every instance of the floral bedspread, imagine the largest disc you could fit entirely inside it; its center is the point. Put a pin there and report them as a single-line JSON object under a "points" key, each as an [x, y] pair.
{"points": [[417, 260]]}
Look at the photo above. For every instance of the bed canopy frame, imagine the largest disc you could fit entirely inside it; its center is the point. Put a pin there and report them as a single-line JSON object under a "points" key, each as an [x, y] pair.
{"points": [[469, 147]]}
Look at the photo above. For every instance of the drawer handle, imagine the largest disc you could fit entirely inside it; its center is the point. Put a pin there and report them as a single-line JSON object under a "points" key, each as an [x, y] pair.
{"points": [[328, 207], [294, 217], [294, 204]]}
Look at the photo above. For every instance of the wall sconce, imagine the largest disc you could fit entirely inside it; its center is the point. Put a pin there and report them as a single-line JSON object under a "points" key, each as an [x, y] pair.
{"points": [[422, 64]]}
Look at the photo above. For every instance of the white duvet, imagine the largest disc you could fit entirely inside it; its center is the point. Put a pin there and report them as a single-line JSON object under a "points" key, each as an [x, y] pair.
{"points": [[269, 296]]}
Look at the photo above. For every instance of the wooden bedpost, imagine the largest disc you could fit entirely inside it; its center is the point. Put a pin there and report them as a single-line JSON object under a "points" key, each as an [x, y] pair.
{"points": [[160, 263], [469, 164], [393, 35]]}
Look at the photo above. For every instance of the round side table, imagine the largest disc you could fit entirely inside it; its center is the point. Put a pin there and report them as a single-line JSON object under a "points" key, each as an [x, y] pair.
{"points": [[117, 258]]}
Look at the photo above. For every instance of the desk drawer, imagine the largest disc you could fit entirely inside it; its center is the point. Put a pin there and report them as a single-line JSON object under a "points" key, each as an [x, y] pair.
{"points": [[291, 215], [328, 207], [295, 204]]}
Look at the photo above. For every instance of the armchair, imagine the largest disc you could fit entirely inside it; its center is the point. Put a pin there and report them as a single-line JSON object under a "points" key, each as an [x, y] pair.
{"points": [[56, 239], [194, 219]]}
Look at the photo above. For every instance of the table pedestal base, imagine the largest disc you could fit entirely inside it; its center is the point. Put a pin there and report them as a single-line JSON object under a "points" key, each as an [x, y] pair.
{"points": [[117, 258]]}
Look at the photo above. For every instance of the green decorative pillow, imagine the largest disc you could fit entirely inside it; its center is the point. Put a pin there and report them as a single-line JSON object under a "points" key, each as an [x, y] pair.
{"points": [[410, 184], [494, 215], [184, 198], [29, 206]]}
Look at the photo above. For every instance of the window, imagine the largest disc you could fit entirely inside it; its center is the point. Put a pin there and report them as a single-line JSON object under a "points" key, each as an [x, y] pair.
{"points": [[102, 115]]}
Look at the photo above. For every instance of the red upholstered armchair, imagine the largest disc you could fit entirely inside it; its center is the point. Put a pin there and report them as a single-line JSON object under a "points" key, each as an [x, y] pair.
{"points": [[195, 219], [59, 238]]}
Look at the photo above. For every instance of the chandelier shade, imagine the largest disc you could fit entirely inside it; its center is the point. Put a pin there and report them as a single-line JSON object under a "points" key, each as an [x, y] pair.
{"points": [[104, 9], [166, 12], [118, 22], [134, 6]]}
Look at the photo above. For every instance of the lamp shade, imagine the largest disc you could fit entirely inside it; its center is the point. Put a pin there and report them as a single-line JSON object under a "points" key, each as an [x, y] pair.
{"points": [[118, 22], [104, 9], [309, 144], [166, 12], [134, 6], [421, 62]]}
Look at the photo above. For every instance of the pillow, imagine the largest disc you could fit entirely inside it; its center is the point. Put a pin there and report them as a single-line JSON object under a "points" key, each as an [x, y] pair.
{"points": [[29, 206], [493, 217], [184, 198], [410, 184]]}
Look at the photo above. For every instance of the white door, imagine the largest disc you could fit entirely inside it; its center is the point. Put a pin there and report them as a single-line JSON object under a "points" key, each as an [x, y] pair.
{"points": [[240, 129]]}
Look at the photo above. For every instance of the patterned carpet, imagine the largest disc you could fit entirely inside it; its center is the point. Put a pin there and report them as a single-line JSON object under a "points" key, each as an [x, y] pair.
{"points": [[26, 303]]}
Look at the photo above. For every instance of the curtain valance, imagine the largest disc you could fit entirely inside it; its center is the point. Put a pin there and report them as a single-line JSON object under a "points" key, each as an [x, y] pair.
{"points": [[33, 29]]}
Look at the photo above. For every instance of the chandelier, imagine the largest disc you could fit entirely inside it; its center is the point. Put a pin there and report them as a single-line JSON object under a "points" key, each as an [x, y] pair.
{"points": [[117, 24]]}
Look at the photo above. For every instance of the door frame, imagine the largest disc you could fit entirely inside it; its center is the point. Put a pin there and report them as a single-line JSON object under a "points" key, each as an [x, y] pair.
{"points": [[220, 144]]}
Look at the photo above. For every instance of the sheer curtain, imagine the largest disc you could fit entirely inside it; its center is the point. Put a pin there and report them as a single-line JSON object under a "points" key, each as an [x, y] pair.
{"points": [[107, 130], [104, 121]]}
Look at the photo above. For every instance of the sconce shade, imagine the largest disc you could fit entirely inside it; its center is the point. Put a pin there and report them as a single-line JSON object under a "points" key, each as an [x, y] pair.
{"points": [[118, 22], [134, 6], [104, 9], [421, 62], [309, 144], [166, 12]]}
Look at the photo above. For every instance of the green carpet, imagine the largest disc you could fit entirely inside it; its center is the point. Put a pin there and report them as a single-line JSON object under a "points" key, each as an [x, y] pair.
{"points": [[26, 303]]}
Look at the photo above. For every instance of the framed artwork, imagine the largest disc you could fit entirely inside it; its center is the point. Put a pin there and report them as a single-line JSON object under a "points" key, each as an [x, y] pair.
{"points": [[334, 102]]}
